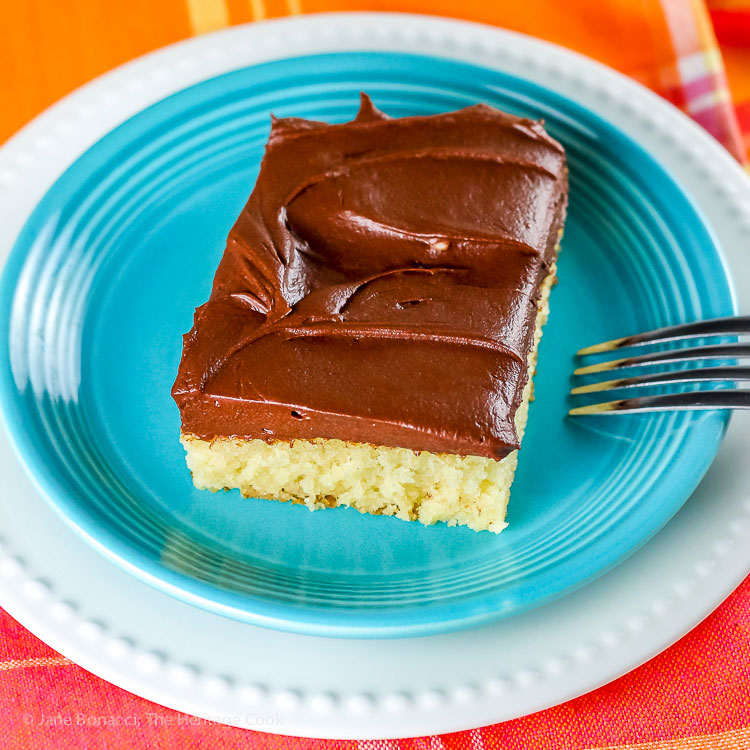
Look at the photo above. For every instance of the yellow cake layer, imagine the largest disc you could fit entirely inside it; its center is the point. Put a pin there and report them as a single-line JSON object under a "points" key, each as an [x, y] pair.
{"points": [[416, 486]]}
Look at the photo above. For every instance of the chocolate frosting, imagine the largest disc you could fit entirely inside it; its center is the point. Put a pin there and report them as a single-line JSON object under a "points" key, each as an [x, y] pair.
{"points": [[380, 285]]}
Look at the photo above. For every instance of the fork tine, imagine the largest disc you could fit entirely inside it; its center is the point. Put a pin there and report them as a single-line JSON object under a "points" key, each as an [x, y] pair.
{"points": [[732, 374], [718, 327], [718, 351], [670, 402]]}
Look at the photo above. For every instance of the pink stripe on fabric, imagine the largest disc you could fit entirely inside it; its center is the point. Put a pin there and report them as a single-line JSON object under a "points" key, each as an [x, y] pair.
{"points": [[700, 86], [713, 119]]}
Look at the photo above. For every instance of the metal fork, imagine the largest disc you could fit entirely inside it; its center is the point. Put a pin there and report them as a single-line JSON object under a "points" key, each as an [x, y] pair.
{"points": [[727, 398]]}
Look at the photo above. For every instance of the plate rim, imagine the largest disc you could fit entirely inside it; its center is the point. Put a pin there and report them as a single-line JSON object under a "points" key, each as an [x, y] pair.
{"points": [[412, 621], [21, 595]]}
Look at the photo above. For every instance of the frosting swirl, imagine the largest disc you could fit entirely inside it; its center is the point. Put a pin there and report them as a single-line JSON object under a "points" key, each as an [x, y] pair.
{"points": [[381, 284]]}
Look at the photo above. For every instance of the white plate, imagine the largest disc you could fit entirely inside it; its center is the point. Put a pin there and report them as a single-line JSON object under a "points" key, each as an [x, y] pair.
{"points": [[193, 661]]}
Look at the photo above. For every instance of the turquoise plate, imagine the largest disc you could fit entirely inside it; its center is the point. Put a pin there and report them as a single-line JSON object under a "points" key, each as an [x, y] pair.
{"points": [[103, 281]]}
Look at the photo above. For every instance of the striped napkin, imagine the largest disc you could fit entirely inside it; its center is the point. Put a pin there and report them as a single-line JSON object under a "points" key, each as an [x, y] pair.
{"points": [[695, 695]]}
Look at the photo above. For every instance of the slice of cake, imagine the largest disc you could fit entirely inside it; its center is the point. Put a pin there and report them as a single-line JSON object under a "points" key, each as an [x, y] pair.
{"points": [[373, 325]]}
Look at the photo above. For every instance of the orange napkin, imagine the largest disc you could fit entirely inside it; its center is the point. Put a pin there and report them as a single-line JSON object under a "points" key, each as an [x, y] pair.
{"points": [[49, 48]]}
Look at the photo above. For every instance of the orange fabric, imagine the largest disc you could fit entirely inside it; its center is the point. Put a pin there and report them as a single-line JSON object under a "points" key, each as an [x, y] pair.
{"points": [[694, 696], [606, 34], [48, 48], [49, 53]]}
